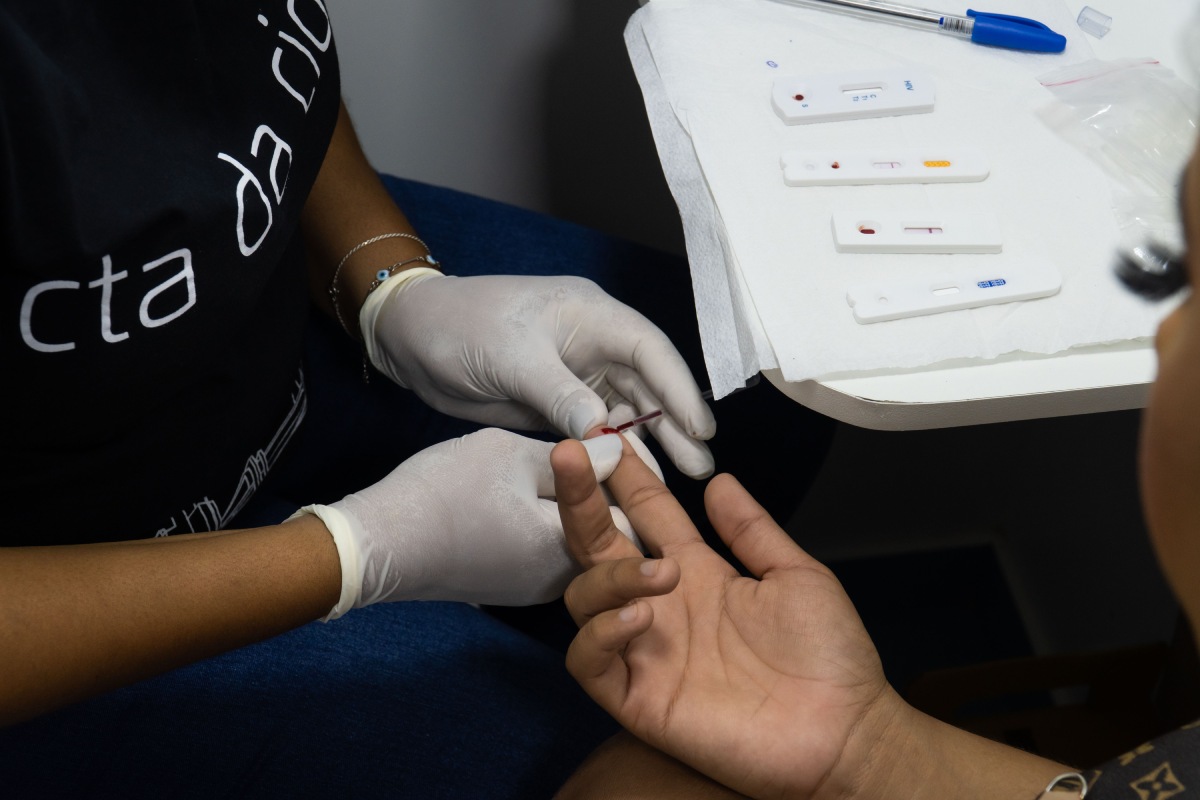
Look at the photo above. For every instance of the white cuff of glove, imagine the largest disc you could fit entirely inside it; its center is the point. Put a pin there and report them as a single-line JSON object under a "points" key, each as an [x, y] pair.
{"points": [[339, 527], [375, 302]]}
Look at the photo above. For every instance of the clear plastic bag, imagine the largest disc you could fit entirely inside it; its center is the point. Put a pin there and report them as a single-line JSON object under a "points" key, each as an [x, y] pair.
{"points": [[1138, 120]]}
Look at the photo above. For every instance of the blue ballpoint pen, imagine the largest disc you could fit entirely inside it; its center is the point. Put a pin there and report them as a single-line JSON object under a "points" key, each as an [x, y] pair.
{"points": [[998, 30]]}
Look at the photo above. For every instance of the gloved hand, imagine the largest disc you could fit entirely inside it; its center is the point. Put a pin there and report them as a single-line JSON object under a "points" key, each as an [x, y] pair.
{"points": [[535, 353], [470, 519]]}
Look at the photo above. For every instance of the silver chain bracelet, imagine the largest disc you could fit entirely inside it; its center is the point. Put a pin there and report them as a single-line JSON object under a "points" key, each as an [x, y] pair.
{"points": [[335, 292]]}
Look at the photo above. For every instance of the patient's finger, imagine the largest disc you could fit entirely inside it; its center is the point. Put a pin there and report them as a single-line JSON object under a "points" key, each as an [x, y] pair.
{"points": [[594, 657], [643, 452], [752, 535], [614, 583], [654, 512], [590, 533]]}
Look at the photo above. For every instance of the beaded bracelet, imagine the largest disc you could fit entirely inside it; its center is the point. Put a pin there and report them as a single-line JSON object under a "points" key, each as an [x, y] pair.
{"points": [[335, 293], [384, 274], [1074, 784], [368, 315]]}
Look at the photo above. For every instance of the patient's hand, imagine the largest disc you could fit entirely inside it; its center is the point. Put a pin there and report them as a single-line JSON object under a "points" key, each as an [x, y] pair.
{"points": [[769, 686]]}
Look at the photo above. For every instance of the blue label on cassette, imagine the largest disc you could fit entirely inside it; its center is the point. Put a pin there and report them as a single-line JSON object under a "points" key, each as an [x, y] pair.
{"points": [[991, 283]]}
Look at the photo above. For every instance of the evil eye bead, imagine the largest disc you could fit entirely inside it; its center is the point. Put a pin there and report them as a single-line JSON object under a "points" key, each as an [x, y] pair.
{"points": [[382, 275]]}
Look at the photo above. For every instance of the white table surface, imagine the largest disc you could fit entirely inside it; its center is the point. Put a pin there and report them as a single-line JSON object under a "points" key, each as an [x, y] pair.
{"points": [[1103, 378]]}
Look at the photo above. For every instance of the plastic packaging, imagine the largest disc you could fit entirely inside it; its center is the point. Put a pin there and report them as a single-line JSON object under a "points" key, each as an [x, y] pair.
{"points": [[1092, 21], [1138, 120]]}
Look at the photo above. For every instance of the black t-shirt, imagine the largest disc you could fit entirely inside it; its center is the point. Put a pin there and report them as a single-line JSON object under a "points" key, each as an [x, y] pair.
{"points": [[154, 158]]}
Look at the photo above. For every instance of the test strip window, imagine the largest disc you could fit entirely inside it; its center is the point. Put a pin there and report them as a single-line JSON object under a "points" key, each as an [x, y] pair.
{"points": [[800, 100], [870, 231], [882, 166]]}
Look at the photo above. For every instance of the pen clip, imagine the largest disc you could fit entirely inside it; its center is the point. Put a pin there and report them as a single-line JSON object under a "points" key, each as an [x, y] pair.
{"points": [[1015, 33]]}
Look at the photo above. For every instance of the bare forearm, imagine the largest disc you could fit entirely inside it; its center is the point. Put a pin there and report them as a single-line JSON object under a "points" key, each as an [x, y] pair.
{"points": [[79, 620], [925, 760], [348, 205]]}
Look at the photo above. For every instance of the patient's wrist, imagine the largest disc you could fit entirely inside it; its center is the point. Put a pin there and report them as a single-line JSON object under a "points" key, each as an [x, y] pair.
{"points": [[900, 753], [883, 756]]}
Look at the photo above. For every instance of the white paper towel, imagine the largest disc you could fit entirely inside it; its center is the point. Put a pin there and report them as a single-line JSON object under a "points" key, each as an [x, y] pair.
{"points": [[770, 289], [734, 344]]}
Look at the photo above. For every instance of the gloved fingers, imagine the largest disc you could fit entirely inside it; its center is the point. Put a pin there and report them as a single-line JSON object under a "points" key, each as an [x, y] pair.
{"points": [[690, 455], [561, 397], [592, 324], [620, 410], [639, 447], [628, 384], [635, 344], [500, 413], [604, 452]]}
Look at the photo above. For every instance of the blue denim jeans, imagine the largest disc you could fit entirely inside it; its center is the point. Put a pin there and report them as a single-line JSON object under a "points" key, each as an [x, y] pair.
{"points": [[418, 699]]}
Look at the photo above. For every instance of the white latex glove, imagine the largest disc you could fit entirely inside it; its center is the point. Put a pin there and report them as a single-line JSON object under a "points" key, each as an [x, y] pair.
{"points": [[535, 353], [470, 519]]}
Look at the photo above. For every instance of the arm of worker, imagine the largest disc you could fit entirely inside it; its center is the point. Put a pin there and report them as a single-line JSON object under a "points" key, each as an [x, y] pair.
{"points": [[517, 351], [471, 519], [79, 620], [769, 685]]}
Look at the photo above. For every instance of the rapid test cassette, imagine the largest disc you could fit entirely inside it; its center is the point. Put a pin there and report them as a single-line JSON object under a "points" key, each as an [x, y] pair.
{"points": [[951, 290], [875, 231], [799, 100], [884, 165]]}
